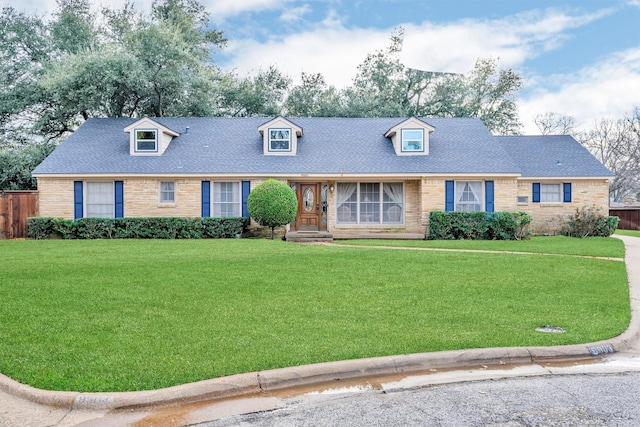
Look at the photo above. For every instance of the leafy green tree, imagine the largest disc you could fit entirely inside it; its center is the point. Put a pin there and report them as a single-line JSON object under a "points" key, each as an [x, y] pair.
{"points": [[16, 164], [73, 28], [314, 98], [55, 75], [384, 87], [259, 95], [272, 203]]}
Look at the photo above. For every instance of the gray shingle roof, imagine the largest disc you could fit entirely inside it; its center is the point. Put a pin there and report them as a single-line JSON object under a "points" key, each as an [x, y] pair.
{"points": [[552, 156], [328, 146]]}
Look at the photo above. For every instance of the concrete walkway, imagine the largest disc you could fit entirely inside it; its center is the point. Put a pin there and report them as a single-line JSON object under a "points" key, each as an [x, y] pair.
{"points": [[21, 405]]}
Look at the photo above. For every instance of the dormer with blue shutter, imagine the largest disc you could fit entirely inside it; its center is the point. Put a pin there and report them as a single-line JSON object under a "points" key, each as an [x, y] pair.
{"points": [[280, 137], [410, 137], [148, 138]]}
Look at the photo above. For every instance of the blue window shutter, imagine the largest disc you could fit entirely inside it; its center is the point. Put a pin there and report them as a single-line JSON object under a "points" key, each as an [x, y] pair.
{"points": [[206, 199], [536, 192], [566, 192], [449, 194], [488, 196], [119, 199], [77, 200], [246, 189]]}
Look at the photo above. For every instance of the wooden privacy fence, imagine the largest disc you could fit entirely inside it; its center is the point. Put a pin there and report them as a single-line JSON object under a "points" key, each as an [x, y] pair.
{"points": [[15, 208], [629, 218]]}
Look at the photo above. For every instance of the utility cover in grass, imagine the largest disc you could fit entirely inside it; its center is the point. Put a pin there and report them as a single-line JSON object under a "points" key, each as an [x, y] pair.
{"points": [[552, 329]]}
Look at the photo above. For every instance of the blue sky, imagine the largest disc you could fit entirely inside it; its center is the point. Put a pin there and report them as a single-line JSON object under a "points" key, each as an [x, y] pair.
{"points": [[577, 57]]}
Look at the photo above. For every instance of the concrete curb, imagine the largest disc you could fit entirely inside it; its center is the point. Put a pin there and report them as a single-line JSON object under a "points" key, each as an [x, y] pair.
{"points": [[276, 379]]}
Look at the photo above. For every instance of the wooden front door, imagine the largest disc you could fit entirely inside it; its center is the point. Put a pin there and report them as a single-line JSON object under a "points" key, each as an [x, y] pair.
{"points": [[309, 217]]}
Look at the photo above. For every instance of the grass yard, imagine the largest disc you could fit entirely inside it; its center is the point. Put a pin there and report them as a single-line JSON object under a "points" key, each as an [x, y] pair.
{"points": [[633, 233], [121, 315], [593, 246]]}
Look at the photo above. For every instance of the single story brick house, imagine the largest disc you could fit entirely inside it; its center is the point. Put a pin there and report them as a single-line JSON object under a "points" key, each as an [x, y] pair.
{"points": [[354, 177]]}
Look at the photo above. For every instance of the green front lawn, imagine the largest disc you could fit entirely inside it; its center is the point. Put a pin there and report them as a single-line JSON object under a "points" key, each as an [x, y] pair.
{"points": [[117, 315], [634, 233], [593, 246]]}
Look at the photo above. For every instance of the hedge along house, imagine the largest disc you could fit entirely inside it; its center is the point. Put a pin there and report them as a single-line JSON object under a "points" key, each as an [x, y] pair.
{"points": [[353, 177]]}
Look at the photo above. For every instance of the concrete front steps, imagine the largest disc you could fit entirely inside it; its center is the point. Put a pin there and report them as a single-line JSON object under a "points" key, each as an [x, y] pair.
{"points": [[309, 237], [326, 237]]}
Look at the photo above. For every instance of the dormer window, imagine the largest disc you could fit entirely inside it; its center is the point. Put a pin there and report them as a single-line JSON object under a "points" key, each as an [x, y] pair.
{"points": [[412, 139], [279, 139], [147, 140]]}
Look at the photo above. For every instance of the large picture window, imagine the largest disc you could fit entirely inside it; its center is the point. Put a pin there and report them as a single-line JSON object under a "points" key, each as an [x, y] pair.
{"points": [[370, 203], [469, 196], [226, 199], [99, 201], [279, 139]]}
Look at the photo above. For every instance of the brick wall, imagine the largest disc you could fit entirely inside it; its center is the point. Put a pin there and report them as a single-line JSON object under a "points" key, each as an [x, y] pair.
{"points": [[56, 197], [421, 197], [548, 217], [141, 198]]}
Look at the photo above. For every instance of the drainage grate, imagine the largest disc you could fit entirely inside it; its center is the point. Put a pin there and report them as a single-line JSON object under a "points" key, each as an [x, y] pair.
{"points": [[552, 329]]}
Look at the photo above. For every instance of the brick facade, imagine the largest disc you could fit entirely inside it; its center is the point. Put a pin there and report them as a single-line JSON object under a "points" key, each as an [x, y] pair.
{"points": [[141, 199]]}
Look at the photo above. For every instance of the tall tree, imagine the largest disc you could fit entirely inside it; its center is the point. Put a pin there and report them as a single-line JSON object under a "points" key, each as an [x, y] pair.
{"points": [[313, 98], [384, 87], [124, 64], [616, 143], [552, 123], [259, 95], [73, 28]]}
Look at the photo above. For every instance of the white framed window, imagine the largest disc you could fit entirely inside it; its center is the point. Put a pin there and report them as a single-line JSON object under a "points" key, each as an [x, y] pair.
{"points": [[146, 140], [370, 203], [412, 139], [468, 196], [550, 193], [99, 200], [280, 139], [167, 192], [226, 199]]}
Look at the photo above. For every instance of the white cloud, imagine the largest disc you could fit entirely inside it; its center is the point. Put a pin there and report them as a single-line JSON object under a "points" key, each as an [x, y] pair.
{"points": [[295, 13], [607, 89], [454, 47], [220, 9], [335, 51]]}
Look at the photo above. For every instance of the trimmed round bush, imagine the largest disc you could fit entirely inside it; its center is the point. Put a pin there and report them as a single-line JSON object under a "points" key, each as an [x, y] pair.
{"points": [[272, 203]]}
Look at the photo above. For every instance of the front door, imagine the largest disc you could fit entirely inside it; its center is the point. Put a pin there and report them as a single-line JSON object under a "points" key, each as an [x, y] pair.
{"points": [[310, 207]]}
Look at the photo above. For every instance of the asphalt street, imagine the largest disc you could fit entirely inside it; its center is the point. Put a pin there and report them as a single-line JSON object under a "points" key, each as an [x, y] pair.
{"points": [[560, 400]]}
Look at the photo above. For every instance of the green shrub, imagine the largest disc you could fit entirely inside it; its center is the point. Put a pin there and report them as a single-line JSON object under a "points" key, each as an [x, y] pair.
{"points": [[478, 225], [136, 228], [589, 221], [508, 226], [272, 203], [39, 227]]}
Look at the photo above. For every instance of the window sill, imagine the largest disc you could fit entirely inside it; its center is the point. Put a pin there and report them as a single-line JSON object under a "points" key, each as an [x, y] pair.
{"points": [[375, 225], [166, 205], [550, 204]]}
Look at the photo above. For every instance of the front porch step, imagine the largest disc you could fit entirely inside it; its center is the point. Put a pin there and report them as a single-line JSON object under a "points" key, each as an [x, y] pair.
{"points": [[377, 235], [309, 236]]}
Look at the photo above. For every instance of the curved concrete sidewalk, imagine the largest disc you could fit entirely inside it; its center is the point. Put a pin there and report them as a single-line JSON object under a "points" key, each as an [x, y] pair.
{"points": [[256, 382]]}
